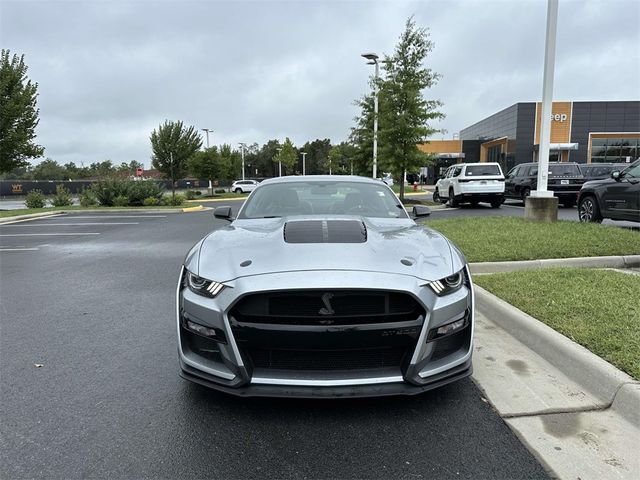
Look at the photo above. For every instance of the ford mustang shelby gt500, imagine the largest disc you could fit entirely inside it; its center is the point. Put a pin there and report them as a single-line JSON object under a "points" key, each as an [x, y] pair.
{"points": [[323, 286]]}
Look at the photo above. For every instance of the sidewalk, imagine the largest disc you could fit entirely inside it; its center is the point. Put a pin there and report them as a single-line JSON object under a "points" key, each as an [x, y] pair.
{"points": [[577, 413]]}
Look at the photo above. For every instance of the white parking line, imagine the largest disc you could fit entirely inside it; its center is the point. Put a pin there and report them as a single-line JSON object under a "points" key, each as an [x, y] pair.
{"points": [[118, 216], [18, 249], [44, 234], [72, 224]]}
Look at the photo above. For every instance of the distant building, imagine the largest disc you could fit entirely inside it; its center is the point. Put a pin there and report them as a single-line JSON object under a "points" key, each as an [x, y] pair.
{"points": [[582, 132]]}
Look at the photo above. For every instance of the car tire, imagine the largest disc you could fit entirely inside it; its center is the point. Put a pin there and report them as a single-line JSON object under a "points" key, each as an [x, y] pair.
{"points": [[496, 203], [436, 196], [238, 190], [453, 201], [588, 210], [525, 193]]}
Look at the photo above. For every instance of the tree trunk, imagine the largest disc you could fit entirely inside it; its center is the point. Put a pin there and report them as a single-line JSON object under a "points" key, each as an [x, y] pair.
{"points": [[173, 188], [402, 186]]}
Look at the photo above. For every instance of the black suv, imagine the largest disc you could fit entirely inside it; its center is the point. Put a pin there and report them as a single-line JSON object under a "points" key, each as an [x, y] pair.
{"points": [[617, 198], [598, 171], [564, 180]]}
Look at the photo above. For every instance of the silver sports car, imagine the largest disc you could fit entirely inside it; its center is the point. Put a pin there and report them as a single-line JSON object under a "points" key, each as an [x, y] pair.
{"points": [[323, 286]]}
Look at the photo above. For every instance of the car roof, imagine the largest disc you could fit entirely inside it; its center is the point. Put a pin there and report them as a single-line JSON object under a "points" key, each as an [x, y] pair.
{"points": [[321, 178]]}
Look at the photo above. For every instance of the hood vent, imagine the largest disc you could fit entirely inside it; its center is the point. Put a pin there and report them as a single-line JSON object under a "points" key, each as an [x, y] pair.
{"points": [[325, 231]]}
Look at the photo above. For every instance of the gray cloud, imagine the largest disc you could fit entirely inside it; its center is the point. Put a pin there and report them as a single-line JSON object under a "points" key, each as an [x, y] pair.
{"points": [[111, 71]]}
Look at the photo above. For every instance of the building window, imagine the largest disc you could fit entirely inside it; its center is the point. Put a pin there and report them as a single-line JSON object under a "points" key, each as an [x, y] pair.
{"points": [[493, 154], [614, 150]]}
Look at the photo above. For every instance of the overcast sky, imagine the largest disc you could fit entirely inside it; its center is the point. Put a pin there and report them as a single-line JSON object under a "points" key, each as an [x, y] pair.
{"points": [[110, 71]]}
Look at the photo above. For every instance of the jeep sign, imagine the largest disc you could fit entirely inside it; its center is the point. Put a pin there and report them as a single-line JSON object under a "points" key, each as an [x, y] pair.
{"points": [[559, 117]]}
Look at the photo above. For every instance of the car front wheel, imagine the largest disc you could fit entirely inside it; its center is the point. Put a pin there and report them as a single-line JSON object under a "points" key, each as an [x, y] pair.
{"points": [[238, 190], [588, 210]]}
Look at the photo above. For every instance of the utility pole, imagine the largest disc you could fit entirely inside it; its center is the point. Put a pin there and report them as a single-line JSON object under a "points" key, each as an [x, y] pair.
{"points": [[279, 162], [304, 168], [542, 205]]}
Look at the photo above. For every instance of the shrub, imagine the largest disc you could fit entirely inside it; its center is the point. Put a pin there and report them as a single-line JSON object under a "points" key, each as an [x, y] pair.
{"points": [[151, 202], [175, 201], [121, 201], [62, 197], [190, 194], [107, 190], [220, 190], [87, 198], [140, 190], [198, 193], [35, 199]]}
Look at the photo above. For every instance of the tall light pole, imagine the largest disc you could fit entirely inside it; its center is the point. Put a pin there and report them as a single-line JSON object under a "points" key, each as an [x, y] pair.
{"points": [[373, 60], [279, 162], [550, 206], [304, 163], [242, 147], [207, 130]]}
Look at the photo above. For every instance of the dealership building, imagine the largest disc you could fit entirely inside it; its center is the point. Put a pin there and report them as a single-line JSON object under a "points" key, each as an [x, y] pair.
{"points": [[582, 132]]}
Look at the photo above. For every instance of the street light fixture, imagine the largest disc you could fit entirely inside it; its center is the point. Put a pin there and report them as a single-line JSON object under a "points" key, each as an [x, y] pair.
{"points": [[242, 147], [373, 60], [207, 130]]}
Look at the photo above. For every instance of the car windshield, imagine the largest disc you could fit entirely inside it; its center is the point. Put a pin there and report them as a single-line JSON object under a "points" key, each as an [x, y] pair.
{"points": [[563, 170], [478, 170], [323, 197]]}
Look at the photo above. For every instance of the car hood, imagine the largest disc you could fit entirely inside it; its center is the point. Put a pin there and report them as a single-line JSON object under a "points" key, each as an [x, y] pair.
{"points": [[257, 246], [600, 181]]}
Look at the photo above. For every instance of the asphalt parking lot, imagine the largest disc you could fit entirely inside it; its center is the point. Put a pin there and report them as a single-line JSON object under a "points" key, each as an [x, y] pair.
{"points": [[90, 384]]}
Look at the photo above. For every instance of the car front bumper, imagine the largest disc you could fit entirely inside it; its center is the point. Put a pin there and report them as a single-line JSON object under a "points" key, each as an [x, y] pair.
{"points": [[226, 366]]}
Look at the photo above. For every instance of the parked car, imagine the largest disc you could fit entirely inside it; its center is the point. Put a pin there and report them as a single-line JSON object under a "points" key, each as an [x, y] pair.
{"points": [[599, 171], [471, 183], [616, 197], [565, 180], [244, 186], [323, 286]]}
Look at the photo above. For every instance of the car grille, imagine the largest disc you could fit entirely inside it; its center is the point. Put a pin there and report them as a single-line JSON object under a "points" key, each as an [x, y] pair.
{"points": [[327, 360], [327, 308]]}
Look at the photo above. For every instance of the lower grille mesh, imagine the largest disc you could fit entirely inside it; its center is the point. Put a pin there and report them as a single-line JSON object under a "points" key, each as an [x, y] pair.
{"points": [[327, 360]]}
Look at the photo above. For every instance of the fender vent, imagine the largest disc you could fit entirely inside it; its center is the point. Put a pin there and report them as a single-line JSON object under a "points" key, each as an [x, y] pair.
{"points": [[325, 231]]}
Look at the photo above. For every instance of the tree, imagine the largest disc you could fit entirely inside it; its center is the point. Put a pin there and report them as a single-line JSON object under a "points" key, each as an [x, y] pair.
{"points": [[49, 170], [205, 164], [173, 145], [362, 137], [18, 114], [287, 156], [404, 113], [342, 158], [230, 163], [317, 158]]}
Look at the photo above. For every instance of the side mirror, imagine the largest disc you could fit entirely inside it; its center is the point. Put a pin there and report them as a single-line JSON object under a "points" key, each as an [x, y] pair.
{"points": [[421, 211], [223, 212], [615, 175]]}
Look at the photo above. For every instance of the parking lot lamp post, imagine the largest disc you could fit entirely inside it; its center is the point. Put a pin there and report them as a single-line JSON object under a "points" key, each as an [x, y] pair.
{"points": [[373, 60], [242, 147], [207, 130], [279, 162], [542, 205], [304, 169]]}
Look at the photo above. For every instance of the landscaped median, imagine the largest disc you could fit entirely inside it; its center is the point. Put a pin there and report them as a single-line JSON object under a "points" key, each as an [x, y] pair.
{"points": [[597, 308], [495, 239]]}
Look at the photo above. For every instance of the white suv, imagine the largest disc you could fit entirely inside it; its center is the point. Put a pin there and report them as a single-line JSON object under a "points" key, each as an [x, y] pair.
{"points": [[244, 186], [471, 183]]}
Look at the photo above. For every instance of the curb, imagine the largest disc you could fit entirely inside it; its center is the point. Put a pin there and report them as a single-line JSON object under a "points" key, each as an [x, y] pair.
{"points": [[199, 208], [610, 385], [88, 210], [207, 200], [619, 261], [28, 216]]}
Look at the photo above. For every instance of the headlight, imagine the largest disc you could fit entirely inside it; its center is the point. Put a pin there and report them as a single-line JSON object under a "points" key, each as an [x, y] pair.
{"points": [[448, 285], [202, 286]]}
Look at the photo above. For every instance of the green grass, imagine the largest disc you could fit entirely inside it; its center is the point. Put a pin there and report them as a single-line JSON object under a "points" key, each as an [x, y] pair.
{"points": [[599, 309], [494, 239], [25, 211]]}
